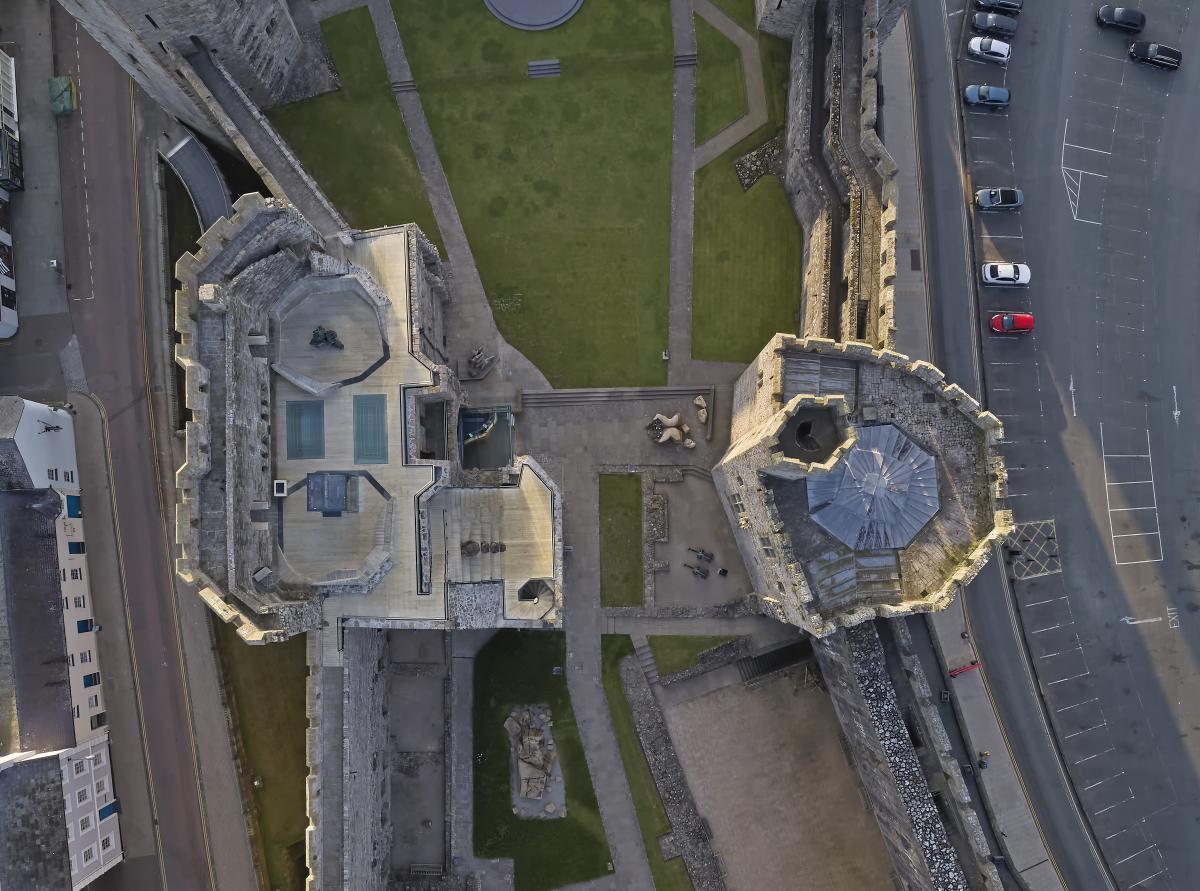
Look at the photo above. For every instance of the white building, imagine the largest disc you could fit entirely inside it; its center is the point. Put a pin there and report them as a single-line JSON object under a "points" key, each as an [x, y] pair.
{"points": [[50, 673]]}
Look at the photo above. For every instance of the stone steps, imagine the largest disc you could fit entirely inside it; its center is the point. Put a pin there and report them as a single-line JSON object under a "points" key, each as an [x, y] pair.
{"points": [[544, 68], [611, 394], [404, 86], [685, 60], [645, 658], [752, 669]]}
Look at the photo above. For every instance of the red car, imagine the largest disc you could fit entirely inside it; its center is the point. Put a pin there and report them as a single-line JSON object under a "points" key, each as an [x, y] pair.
{"points": [[1012, 322]]}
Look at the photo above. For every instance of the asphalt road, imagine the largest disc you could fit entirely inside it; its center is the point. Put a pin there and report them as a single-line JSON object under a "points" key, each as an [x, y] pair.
{"points": [[1106, 598], [101, 232]]}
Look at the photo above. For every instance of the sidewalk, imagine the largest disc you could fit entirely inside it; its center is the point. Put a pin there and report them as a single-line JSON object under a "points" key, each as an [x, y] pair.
{"points": [[1008, 809]]}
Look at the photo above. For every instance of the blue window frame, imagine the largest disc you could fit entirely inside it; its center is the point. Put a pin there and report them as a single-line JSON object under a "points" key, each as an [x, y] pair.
{"points": [[76, 547], [83, 626], [113, 807], [92, 680], [74, 506]]}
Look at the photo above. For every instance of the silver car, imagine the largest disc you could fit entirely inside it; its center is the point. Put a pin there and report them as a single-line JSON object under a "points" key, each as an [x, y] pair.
{"points": [[999, 199], [989, 49], [1006, 274]]}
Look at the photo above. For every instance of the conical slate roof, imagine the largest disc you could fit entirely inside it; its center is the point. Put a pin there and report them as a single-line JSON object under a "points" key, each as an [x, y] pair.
{"points": [[880, 495]]}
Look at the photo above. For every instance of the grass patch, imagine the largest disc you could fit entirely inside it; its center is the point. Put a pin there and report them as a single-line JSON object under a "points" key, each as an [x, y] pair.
{"points": [[562, 184], [353, 140], [669, 875], [741, 11], [516, 668], [271, 725], [621, 581], [183, 226], [720, 82], [747, 248], [677, 652]]}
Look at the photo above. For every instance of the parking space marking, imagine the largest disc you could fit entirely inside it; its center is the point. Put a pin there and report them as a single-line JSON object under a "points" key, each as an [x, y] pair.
{"points": [[1066, 708], [1073, 677], [1148, 878], [1105, 810], [1105, 780], [1097, 755], [1080, 733], [1142, 851], [1142, 555]]}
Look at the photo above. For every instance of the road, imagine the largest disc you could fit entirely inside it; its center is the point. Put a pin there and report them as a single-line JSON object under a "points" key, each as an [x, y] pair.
{"points": [[1104, 601], [101, 229]]}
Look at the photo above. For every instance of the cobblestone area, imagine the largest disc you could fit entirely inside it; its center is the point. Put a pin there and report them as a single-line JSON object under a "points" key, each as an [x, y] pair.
{"points": [[766, 160], [688, 835]]}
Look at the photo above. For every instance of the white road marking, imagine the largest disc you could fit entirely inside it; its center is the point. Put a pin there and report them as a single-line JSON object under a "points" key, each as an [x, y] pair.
{"points": [[1097, 755], [1077, 704], [1071, 678], [1105, 780], [1148, 878], [1131, 856]]}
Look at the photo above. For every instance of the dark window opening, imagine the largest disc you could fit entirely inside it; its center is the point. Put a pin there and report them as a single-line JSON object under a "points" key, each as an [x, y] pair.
{"points": [[153, 24]]}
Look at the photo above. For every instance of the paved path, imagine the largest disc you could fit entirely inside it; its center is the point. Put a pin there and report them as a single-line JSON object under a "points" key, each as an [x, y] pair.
{"points": [[756, 93], [474, 322], [205, 185], [583, 624]]}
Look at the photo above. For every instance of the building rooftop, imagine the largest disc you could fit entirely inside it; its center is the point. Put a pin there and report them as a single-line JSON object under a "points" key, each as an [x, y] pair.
{"points": [[33, 843], [880, 494], [31, 625]]}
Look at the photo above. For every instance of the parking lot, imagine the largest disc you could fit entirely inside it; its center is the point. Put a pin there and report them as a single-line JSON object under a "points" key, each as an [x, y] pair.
{"points": [[1089, 401]]}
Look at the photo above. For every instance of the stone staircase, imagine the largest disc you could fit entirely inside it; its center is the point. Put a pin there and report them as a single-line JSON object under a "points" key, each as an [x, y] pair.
{"points": [[754, 669], [612, 394], [685, 60], [404, 86], [645, 658]]}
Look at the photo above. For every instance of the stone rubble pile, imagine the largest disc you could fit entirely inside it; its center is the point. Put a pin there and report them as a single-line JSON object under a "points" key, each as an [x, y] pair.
{"points": [[527, 731]]}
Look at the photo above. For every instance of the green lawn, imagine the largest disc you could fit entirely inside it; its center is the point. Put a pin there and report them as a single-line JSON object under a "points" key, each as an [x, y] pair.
{"points": [[720, 82], [353, 141], [747, 250], [516, 668], [669, 875], [676, 652], [562, 184], [741, 11], [621, 581], [271, 726]]}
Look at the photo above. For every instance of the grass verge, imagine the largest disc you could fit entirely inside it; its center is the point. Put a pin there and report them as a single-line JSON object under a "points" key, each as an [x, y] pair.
{"points": [[669, 875], [720, 82], [353, 140], [621, 581], [677, 652], [747, 245], [270, 726], [516, 668], [562, 183]]}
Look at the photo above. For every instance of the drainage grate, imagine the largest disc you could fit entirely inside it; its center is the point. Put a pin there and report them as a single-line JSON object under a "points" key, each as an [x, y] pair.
{"points": [[915, 261]]}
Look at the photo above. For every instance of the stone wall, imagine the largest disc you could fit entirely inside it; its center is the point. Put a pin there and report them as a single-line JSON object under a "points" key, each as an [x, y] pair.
{"points": [[366, 800], [854, 672], [257, 39]]}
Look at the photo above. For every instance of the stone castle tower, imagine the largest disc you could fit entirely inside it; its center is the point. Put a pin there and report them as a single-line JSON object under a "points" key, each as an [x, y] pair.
{"points": [[257, 41]]}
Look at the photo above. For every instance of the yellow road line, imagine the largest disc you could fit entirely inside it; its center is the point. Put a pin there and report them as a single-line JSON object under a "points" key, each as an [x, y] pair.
{"points": [[187, 701]]}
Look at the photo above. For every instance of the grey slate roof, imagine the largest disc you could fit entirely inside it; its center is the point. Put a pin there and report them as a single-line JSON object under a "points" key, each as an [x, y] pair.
{"points": [[33, 827], [31, 623], [880, 495]]}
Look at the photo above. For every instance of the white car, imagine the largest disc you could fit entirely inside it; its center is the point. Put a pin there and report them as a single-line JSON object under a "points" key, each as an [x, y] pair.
{"points": [[1010, 274], [989, 49]]}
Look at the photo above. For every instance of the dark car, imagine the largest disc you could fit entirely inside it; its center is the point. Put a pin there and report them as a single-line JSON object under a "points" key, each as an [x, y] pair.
{"points": [[994, 25], [1006, 7], [1131, 21], [985, 95], [999, 199], [1157, 54]]}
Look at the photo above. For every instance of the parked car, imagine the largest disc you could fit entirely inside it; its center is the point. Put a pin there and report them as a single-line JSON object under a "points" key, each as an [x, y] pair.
{"points": [[1157, 54], [1012, 322], [999, 199], [1007, 274], [989, 49], [986, 95], [1006, 7], [1122, 18], [994, 24]]}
